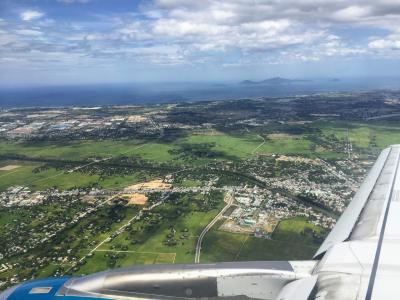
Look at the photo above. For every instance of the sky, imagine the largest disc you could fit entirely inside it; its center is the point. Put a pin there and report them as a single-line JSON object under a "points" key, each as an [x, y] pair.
{"points": [[47, 42]]}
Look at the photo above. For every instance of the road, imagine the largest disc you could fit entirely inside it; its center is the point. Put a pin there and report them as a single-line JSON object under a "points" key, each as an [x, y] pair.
{"points": [[382, 117], [120, 229], [349, 181], [229, 202], [262, 143], [85, 165]]}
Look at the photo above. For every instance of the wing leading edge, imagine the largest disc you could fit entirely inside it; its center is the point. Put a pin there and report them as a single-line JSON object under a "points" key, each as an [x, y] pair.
{"points": [[358, 258]]}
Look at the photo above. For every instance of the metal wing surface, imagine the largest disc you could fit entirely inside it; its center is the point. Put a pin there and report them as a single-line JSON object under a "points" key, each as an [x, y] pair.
{"points": [[360, 258]]}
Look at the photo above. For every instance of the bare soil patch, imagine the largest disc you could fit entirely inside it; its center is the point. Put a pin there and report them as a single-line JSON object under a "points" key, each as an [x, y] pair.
{"points": [[9, 167], [279, 136], [297, 159], [136, 198], [154, 184]]}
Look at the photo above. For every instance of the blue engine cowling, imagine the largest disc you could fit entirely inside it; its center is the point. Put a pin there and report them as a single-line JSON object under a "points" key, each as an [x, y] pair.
{"points": [[42, 289]]}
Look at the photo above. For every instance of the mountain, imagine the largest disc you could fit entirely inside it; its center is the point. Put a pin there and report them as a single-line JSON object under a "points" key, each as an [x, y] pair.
{"points": [[248, 82], [273, 80]]}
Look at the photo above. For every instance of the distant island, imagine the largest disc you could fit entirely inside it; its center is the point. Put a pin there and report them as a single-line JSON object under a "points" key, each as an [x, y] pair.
{"points": [[273, 80]]}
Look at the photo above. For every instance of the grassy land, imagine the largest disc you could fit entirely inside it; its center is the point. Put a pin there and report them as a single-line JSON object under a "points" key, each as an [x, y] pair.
{"points": [[147, 244], [385, 138], [95, 237], [251, 144], [115, 182], [78, 238], [18, 176], [363, 135], [359, 136], [154, 152], [287, 242], [292, 231], [262, 249], [194, 222], [78, 150], [8, 216], [81, 150], [240, 147], [234, 146], [284, 145], [98, 261], [190, 183], [51, 177], [248, 145]]}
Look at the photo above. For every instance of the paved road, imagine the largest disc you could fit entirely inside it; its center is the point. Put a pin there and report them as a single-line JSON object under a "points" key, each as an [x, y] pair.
{"points": [[382, 117], [120, 229], [349, 181], [229, 199], [262, 143]]}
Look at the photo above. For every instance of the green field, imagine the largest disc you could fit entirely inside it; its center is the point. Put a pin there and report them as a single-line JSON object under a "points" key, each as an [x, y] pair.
{"points": [[116, 182], [190, 183], [151, 250], [8, 216], [286, 145], [98, 262], [234, 146], [78, 238], [287, 242], [144, 241], [371, 138], [249, 145], [386, 137], [363, 135], [24, 176], [292, 231], [359, 136], [79, 150], [230, 146], [194, 222]]}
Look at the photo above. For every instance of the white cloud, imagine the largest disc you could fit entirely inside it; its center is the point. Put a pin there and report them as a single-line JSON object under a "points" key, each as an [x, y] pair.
{"points": [[30, 15], [266, 30], [182, 28], [351, 13], [29, 32], [229, 32], [391, 42], [6, 38], [180, 3]]}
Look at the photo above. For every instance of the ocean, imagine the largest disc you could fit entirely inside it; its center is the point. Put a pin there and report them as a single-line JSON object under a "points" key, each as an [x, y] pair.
{"points": [[154, 93]]}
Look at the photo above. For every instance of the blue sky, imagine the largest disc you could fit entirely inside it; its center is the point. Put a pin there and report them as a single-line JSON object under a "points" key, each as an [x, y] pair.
{"points": [[94, 41]]}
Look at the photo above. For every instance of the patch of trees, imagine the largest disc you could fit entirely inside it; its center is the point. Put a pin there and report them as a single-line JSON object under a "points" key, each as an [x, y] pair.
{"points": [[315, 236], [201, 150], [311, 199]]}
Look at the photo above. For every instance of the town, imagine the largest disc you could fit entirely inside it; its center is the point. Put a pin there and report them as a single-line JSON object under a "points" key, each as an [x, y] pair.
{"points": [[85, 189]]}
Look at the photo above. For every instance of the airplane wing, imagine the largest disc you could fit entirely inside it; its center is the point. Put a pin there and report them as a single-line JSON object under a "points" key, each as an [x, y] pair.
{"points": [[358, 260]]}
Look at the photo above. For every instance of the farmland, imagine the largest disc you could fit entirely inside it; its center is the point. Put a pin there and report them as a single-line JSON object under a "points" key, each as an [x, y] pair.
{"points": [[289, 165]]}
